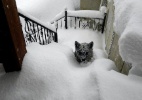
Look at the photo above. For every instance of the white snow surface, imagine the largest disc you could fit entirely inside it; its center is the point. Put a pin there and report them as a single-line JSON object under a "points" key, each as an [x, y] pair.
{"points": [[86, 13], [68, 37], [128, 24], [45, 10], [51, 72], [47, 24], [81, 13]]}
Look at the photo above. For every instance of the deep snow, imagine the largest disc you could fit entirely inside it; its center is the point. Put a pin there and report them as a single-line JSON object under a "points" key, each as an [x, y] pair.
{"points": [[50, 72], [68, 37], [128, 24], [45, 10], [82, 13]]}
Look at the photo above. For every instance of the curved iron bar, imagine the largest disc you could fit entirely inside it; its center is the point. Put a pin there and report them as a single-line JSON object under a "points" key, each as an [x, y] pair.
{"points": [[82, 24], [35, 32]]}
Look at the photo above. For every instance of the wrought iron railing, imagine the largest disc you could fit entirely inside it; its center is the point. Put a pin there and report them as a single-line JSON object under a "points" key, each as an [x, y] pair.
{"points": [[79, 19], [35, 31]]}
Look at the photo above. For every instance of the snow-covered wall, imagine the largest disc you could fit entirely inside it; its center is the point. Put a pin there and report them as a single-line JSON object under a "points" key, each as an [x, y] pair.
{"points": [[111, 40], [127, 24]]}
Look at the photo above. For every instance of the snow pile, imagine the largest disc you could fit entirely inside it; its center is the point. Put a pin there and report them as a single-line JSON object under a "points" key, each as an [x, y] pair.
{"points": [[58, 16], [68, 37], [86, 13], [128, 24], [47, 25], [50, 72], [44, 10], [43, 79], [81, 13], [116, 86]]}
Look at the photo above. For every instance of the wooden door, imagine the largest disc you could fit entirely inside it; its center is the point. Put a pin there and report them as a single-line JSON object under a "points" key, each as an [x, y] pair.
{"points": [[12, 44]]}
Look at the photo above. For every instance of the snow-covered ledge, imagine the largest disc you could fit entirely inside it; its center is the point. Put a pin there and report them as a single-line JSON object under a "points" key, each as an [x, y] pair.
{"points": [[128, 24], [82, 13], [47, 25]]}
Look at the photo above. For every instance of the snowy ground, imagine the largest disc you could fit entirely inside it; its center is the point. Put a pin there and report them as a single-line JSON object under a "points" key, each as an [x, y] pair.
{"points": [[45, 10], [51, 72], [68, 37]]}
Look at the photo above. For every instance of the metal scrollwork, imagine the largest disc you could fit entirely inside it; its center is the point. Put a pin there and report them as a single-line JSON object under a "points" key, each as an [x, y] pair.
{"points": [[35, 32]]}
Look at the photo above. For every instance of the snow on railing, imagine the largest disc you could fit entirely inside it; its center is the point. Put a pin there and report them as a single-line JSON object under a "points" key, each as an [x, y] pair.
{"points": [[81, 19], [37, 31], [86, 14]]}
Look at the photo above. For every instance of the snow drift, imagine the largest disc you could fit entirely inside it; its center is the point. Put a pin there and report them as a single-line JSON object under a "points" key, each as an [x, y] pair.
{"points": [[128, 24], [43, 79], [44, 10]]}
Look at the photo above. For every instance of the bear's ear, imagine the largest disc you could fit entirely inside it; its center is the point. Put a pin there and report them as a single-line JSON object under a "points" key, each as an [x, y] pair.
{"points": [[77, 44], [91, 44]]}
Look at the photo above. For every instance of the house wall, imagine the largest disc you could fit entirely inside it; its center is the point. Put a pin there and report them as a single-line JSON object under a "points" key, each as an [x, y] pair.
{"points": [[111, 38], [90, 4], [111, 41]]}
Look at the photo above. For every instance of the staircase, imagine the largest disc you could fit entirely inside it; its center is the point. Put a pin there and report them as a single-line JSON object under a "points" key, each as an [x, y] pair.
{"points": [[36, 31]]}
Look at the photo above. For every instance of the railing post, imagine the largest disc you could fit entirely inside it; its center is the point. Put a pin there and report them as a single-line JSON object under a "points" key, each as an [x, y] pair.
{"points": [[103, 25], [56, 36], [66, 21]]}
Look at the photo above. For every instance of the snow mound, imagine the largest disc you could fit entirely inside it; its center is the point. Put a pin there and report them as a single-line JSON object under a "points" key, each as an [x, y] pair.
{"points": [[116, 86], [44, 10], [68, 37], [128, 24], [49, 72], [98, 54], [43, 79]]}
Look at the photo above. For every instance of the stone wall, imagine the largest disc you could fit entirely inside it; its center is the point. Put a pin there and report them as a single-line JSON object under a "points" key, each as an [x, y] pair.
{"points": [[111, 41]]}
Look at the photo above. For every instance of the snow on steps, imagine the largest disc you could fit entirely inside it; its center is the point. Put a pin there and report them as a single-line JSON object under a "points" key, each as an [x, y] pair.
{"points": [[43, 79], [82, 13], [81, 18], [48, 25]]}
